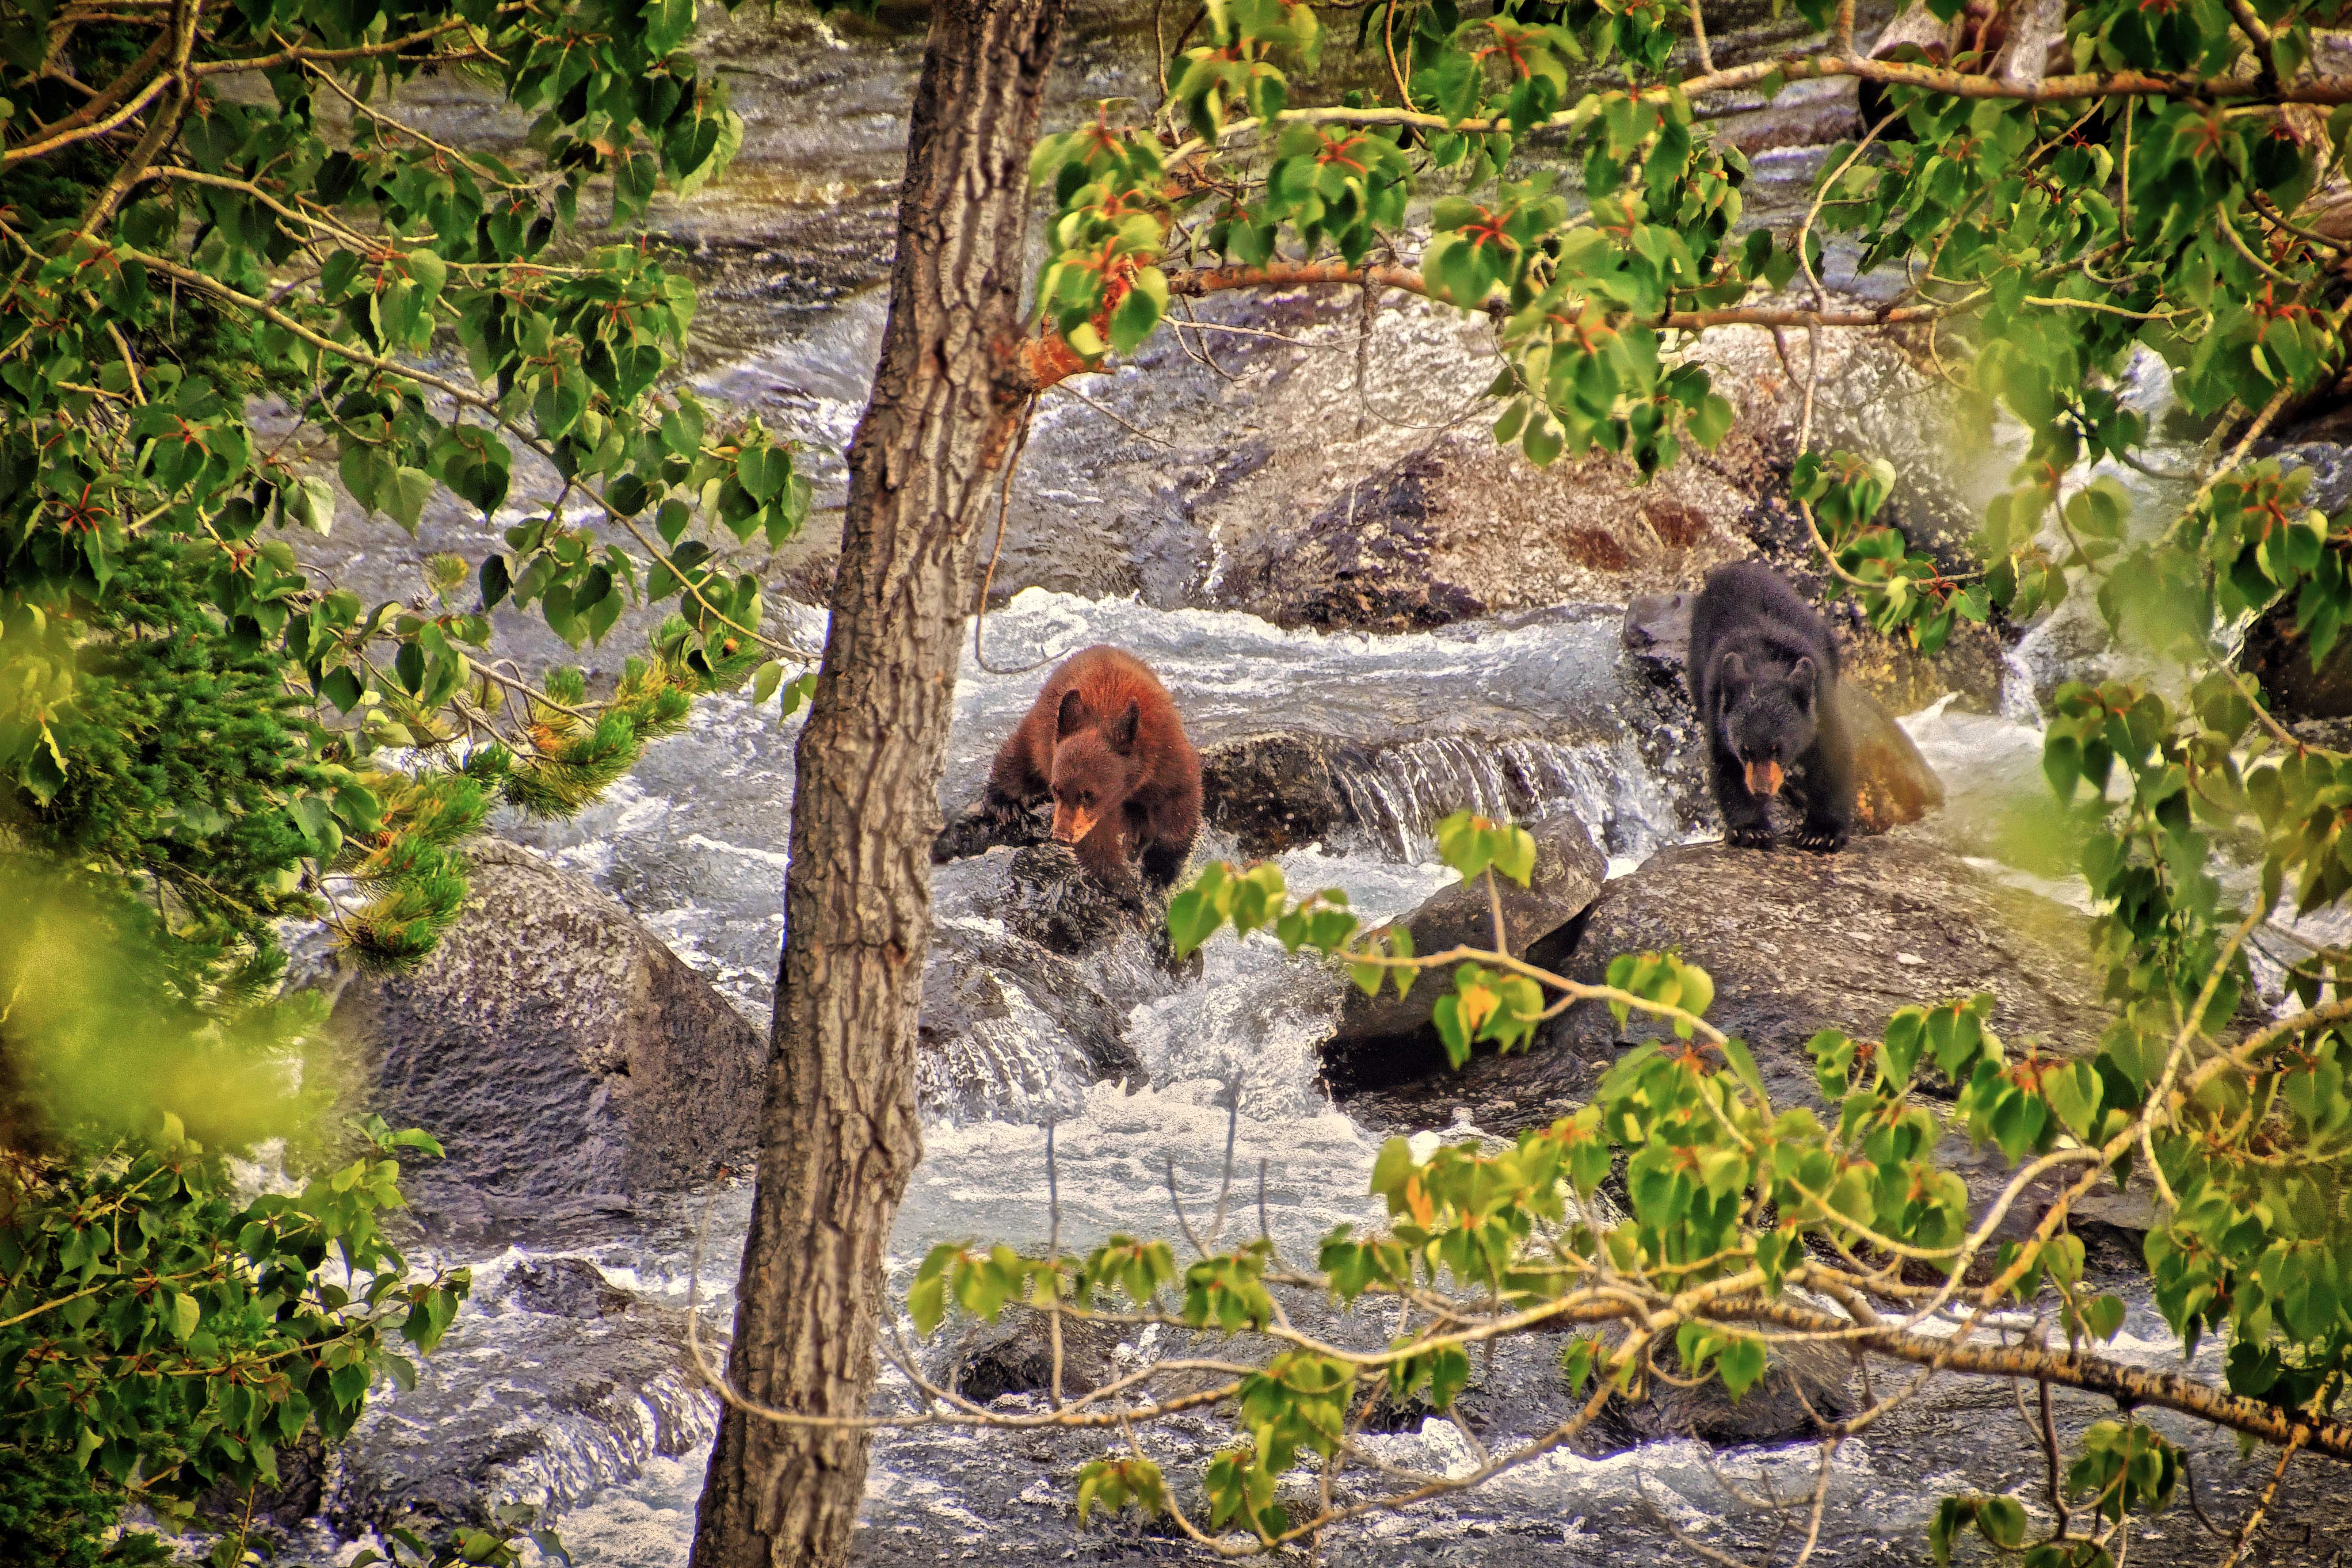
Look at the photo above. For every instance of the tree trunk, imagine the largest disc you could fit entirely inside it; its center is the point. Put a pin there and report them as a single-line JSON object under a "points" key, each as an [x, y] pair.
{"points": [[839, 1126]]}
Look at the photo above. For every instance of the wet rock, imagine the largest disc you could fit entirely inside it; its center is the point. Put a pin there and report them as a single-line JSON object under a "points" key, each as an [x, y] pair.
{"points": [[1006, 1025], [1054, 901], [2113, 1226], [2327, 734], [2319, 446], [527, 1397], [1271, 793], [1363, 561], [1457, 527], [1657, 631], [1972, 663], [563, 1287], [1797, 1375], [1893, 785], [1380, 1041], [565, 1058], [279, 1511], [2279, 656], [1392, 537], [1796, 118], [1799, 942], [1796, 943], [1014, 1354]]}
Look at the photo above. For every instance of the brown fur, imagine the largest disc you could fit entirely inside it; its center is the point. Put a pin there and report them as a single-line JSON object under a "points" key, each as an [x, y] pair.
{"points": [[1104, 741]]}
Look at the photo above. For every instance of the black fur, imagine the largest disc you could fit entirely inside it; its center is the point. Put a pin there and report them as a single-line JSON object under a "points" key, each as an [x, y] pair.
{"points": [[1764, 669]]}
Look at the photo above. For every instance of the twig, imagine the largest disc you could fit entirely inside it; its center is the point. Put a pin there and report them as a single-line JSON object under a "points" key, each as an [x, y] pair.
{"points": [[1132, 428], [1388, 39], [2262, 1504], [1003, 518], [1685, 1540], [2049, 1436], [1699, 36], [2188, 1475], [1177, 1204], [1232, 1127]]}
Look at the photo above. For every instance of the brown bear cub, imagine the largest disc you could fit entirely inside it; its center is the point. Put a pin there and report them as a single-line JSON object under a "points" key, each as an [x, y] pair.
{"points": [[1105, 743], [1765, 672]]}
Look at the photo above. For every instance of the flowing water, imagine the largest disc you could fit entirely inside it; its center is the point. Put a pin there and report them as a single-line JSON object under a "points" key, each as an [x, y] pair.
{"points": [[1513, 716], [1520, 716]]}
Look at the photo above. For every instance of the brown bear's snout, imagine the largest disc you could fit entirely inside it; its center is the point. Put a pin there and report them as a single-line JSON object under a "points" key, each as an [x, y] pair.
{"points": [[1763, 779], [1072, 823]]}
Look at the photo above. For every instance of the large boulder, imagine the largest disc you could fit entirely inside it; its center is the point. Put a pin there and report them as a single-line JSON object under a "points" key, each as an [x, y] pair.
{"points": [[566, 1059], [1409, 529], [2278, 654], [1893, 783], [1796, 943], [1802, 1381], [1380, 1040], [1273, 793]]}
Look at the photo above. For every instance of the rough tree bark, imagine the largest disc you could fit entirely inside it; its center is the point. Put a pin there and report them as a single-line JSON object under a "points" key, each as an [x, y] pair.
{"points": [[839, 1130]]}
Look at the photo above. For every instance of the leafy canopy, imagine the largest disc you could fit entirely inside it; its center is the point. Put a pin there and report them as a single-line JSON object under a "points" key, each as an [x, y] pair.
{"points": [[234, 276]]}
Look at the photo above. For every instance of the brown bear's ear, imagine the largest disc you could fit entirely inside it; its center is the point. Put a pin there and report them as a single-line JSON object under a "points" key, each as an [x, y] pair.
{"points": [[1073, 714], [1122, 730]]}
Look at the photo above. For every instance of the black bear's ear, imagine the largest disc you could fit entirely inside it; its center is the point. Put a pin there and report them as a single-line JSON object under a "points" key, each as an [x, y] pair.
{"points": [[1073, 714], [1122, 730], [1730, 669], [1803, 678]]}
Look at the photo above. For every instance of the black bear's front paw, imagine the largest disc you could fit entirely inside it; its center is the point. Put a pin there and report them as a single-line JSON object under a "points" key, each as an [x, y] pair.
{"points": [[1821, 837], [1752, 836]]}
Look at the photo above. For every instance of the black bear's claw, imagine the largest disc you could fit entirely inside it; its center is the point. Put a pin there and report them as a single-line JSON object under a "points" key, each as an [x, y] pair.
{"points": [[1822, 840], [1749, 837]]}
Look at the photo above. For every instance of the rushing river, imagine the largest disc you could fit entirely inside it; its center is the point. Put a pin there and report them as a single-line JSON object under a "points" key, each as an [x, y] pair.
{"points": [[695, 843], [1120, 538]]}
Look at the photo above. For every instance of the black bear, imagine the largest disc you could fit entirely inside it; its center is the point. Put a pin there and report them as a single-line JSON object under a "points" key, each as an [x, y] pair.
{"points": [[1104, 741], [1764, 673]]}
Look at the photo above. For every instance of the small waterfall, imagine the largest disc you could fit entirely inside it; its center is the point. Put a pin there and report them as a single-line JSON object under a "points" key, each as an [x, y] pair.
{"points": [[1398, 794], [1012, 1062], [589, 1451], [2019, 705]]}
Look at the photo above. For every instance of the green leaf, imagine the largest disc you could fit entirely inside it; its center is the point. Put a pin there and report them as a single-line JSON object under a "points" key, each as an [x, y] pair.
{"points": [[798, 692], [1140, 310], [1452, 1028], [1743, 1065], [309, 503], [927, 1298], [1740, 1363], [2002, 1521], [341, 687], [1194, 914], [1515, 854], [405, 496]]}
